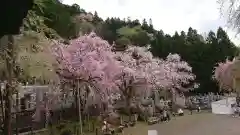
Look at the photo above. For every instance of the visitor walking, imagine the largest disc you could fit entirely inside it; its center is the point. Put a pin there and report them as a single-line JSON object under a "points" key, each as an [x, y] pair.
{"points": [[166, 115], [198, 108], [235, 110], [190, 105]]}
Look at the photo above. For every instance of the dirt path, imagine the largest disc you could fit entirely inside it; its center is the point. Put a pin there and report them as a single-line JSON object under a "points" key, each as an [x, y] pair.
{"points": [[197, 124]]}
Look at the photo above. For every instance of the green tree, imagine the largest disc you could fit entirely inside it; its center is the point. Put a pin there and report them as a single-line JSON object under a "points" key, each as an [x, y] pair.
{"points": [[122, 43], [230, 10]]}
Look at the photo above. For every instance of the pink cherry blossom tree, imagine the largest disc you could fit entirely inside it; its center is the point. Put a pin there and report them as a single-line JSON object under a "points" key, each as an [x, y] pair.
{"points": [[87, 60], [179, 74], [222, 74], [172, 73], [130, 78], [151, 69], [140, 72]]}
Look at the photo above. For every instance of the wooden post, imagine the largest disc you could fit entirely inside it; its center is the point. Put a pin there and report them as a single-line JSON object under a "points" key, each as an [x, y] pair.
{"points": [[234, 84], [89, 124], [153, 107], [45, 113], [121, 120], [96, 130]]}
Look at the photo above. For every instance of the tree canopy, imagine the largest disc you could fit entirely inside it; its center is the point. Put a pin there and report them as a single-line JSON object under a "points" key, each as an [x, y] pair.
{"points": [[202, 53]]}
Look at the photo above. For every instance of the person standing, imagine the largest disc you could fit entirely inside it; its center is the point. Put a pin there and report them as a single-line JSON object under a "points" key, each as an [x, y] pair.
{"points": [[180, 112], [190, 106], [166, 115], [238, 100]]}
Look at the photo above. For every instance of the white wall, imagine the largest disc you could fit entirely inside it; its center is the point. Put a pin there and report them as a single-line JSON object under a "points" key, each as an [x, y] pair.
{"points": [[223, 106]]}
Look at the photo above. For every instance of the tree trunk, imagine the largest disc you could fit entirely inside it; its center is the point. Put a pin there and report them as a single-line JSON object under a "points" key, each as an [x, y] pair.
{"points": [[8, 116], [2, 105], [17, 112], [174, 96], [76, 108], [128, 103], [79, 109], [10, 64]]}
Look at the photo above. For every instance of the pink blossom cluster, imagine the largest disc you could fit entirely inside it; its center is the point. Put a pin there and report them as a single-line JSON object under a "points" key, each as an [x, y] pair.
{"points": [[223, 75], [90, 58], [87, 58], [179, 72], [157, 73], [140, 66]]}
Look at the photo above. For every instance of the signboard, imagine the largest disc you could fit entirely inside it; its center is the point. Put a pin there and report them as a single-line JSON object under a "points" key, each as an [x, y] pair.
{"points": [[152, 132]]}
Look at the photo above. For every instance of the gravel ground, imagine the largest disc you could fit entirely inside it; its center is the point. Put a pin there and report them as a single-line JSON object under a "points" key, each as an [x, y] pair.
{"points": [[196, 124]]}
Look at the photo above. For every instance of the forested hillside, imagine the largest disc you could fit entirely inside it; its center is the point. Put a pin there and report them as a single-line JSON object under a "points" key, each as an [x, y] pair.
{"points": [[59, 21]]}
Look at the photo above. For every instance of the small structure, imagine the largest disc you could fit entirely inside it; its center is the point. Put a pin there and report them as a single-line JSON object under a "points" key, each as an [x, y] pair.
{"points": [[223, 106]]}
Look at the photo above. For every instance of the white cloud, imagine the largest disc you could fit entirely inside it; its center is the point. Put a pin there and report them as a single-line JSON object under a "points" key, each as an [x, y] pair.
{"points": [[168, 15]]}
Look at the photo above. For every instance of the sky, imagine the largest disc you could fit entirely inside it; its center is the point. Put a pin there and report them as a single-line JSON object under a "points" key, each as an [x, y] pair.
{"points": [[168, 15]]}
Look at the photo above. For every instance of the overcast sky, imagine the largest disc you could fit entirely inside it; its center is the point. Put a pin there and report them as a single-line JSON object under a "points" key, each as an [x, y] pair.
{"points": [[168, 15]]}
